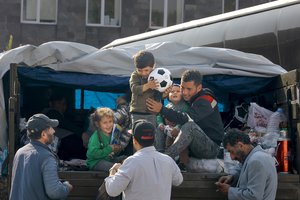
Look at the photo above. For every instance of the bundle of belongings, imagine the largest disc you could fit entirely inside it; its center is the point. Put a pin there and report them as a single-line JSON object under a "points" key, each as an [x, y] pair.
{"points": [[73, 165], [264, 128]]}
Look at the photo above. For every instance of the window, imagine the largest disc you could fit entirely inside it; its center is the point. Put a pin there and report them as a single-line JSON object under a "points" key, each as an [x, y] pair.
{"points": [[103, 12], [93, 99], [165, 13], [231, 5], [39, 11]]}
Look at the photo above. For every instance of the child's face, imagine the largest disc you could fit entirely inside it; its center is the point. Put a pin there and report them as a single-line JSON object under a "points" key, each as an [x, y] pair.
{"points": [[106, 124], [144, 72], [175, 94]]}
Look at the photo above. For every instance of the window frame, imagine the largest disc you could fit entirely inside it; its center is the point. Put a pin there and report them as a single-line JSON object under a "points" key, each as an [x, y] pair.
{"points": [[165, 14], [37, 14], [237, 5], [102, 15]]}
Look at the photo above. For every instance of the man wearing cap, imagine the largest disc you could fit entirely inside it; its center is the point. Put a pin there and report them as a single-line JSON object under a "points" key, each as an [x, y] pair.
{"points": [[147, 174], [34, 174]]}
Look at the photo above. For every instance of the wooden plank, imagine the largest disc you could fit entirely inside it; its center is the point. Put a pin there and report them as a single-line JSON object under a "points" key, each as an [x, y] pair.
{"points": [[288, 186], [198, 193], [82, 175], [86, 182], [298, 147], [290, 178], [201, 176], [287, 194], [81, 198], [84, 191], [198, 186]]}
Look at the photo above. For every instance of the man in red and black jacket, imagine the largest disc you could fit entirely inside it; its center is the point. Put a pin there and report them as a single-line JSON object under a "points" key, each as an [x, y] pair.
{"points": [[202, 127]]}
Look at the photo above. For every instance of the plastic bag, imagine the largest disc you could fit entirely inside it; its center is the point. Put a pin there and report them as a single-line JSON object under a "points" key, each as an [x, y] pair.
{"points": [[205, 165], [258, 116]]}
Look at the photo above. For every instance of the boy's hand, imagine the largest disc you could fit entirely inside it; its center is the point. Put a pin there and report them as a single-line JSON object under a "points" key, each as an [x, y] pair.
{"points": [[151, 84], [161, 127], [166, 92], [116, 148]]}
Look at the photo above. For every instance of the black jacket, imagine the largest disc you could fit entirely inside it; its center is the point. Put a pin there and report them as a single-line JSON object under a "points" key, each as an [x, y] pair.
{"points": [[204, 112]]}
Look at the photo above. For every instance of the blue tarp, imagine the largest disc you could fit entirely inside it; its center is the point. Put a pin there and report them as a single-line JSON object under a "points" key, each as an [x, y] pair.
{"points": [[222, 85], [101, 82]]}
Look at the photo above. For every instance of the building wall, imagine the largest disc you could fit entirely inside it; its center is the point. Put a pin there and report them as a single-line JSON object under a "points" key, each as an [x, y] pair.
{"points": [[9, 21], [71, 25]]}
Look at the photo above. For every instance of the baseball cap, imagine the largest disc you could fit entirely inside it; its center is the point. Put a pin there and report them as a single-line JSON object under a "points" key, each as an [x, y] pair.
{"points": [[40, 122], [144, 132]]}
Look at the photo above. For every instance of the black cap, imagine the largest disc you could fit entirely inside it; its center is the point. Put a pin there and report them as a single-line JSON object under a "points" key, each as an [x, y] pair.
{"points": [[40, 122], [144, 132]]}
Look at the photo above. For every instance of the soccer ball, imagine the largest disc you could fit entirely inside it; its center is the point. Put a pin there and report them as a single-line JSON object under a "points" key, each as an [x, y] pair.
{"points": [[163, 77]]}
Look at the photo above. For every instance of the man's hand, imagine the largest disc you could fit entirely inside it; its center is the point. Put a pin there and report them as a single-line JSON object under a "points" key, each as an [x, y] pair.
{"points": [[226, 179], [153, 106], [70, 187], [222, 187], [223, 183], [114, 169]]}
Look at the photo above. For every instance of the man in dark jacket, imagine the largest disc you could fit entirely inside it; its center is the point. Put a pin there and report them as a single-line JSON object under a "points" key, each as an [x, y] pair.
{"points": [[34, 173], [202, 127]]}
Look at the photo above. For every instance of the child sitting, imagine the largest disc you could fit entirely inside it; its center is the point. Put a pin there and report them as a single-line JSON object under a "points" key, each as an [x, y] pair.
{"points": [[168, 131], [103, 148]]}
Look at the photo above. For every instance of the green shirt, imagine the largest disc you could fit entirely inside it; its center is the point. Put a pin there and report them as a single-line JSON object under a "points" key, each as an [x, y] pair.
{"points": [[98, 150]]}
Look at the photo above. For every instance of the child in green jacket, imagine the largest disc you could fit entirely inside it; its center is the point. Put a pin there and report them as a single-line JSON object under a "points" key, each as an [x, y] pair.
{"points": [[102, 150]]}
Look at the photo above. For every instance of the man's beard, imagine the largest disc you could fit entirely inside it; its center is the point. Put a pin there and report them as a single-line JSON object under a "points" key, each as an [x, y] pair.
{"points": [[241, 156], [50, 139]]}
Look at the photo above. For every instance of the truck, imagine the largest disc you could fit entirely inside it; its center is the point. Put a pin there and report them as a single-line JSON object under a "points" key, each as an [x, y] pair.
{"points": [[26, 84]]}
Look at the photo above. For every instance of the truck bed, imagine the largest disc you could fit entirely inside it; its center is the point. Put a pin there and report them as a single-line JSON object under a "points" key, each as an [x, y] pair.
{"points": [[195, 186]]}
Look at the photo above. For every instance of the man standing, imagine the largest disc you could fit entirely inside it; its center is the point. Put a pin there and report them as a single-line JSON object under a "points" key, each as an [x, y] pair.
{"points": [[202, 127], [257, 178], [148, 174], [34, 174]]}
